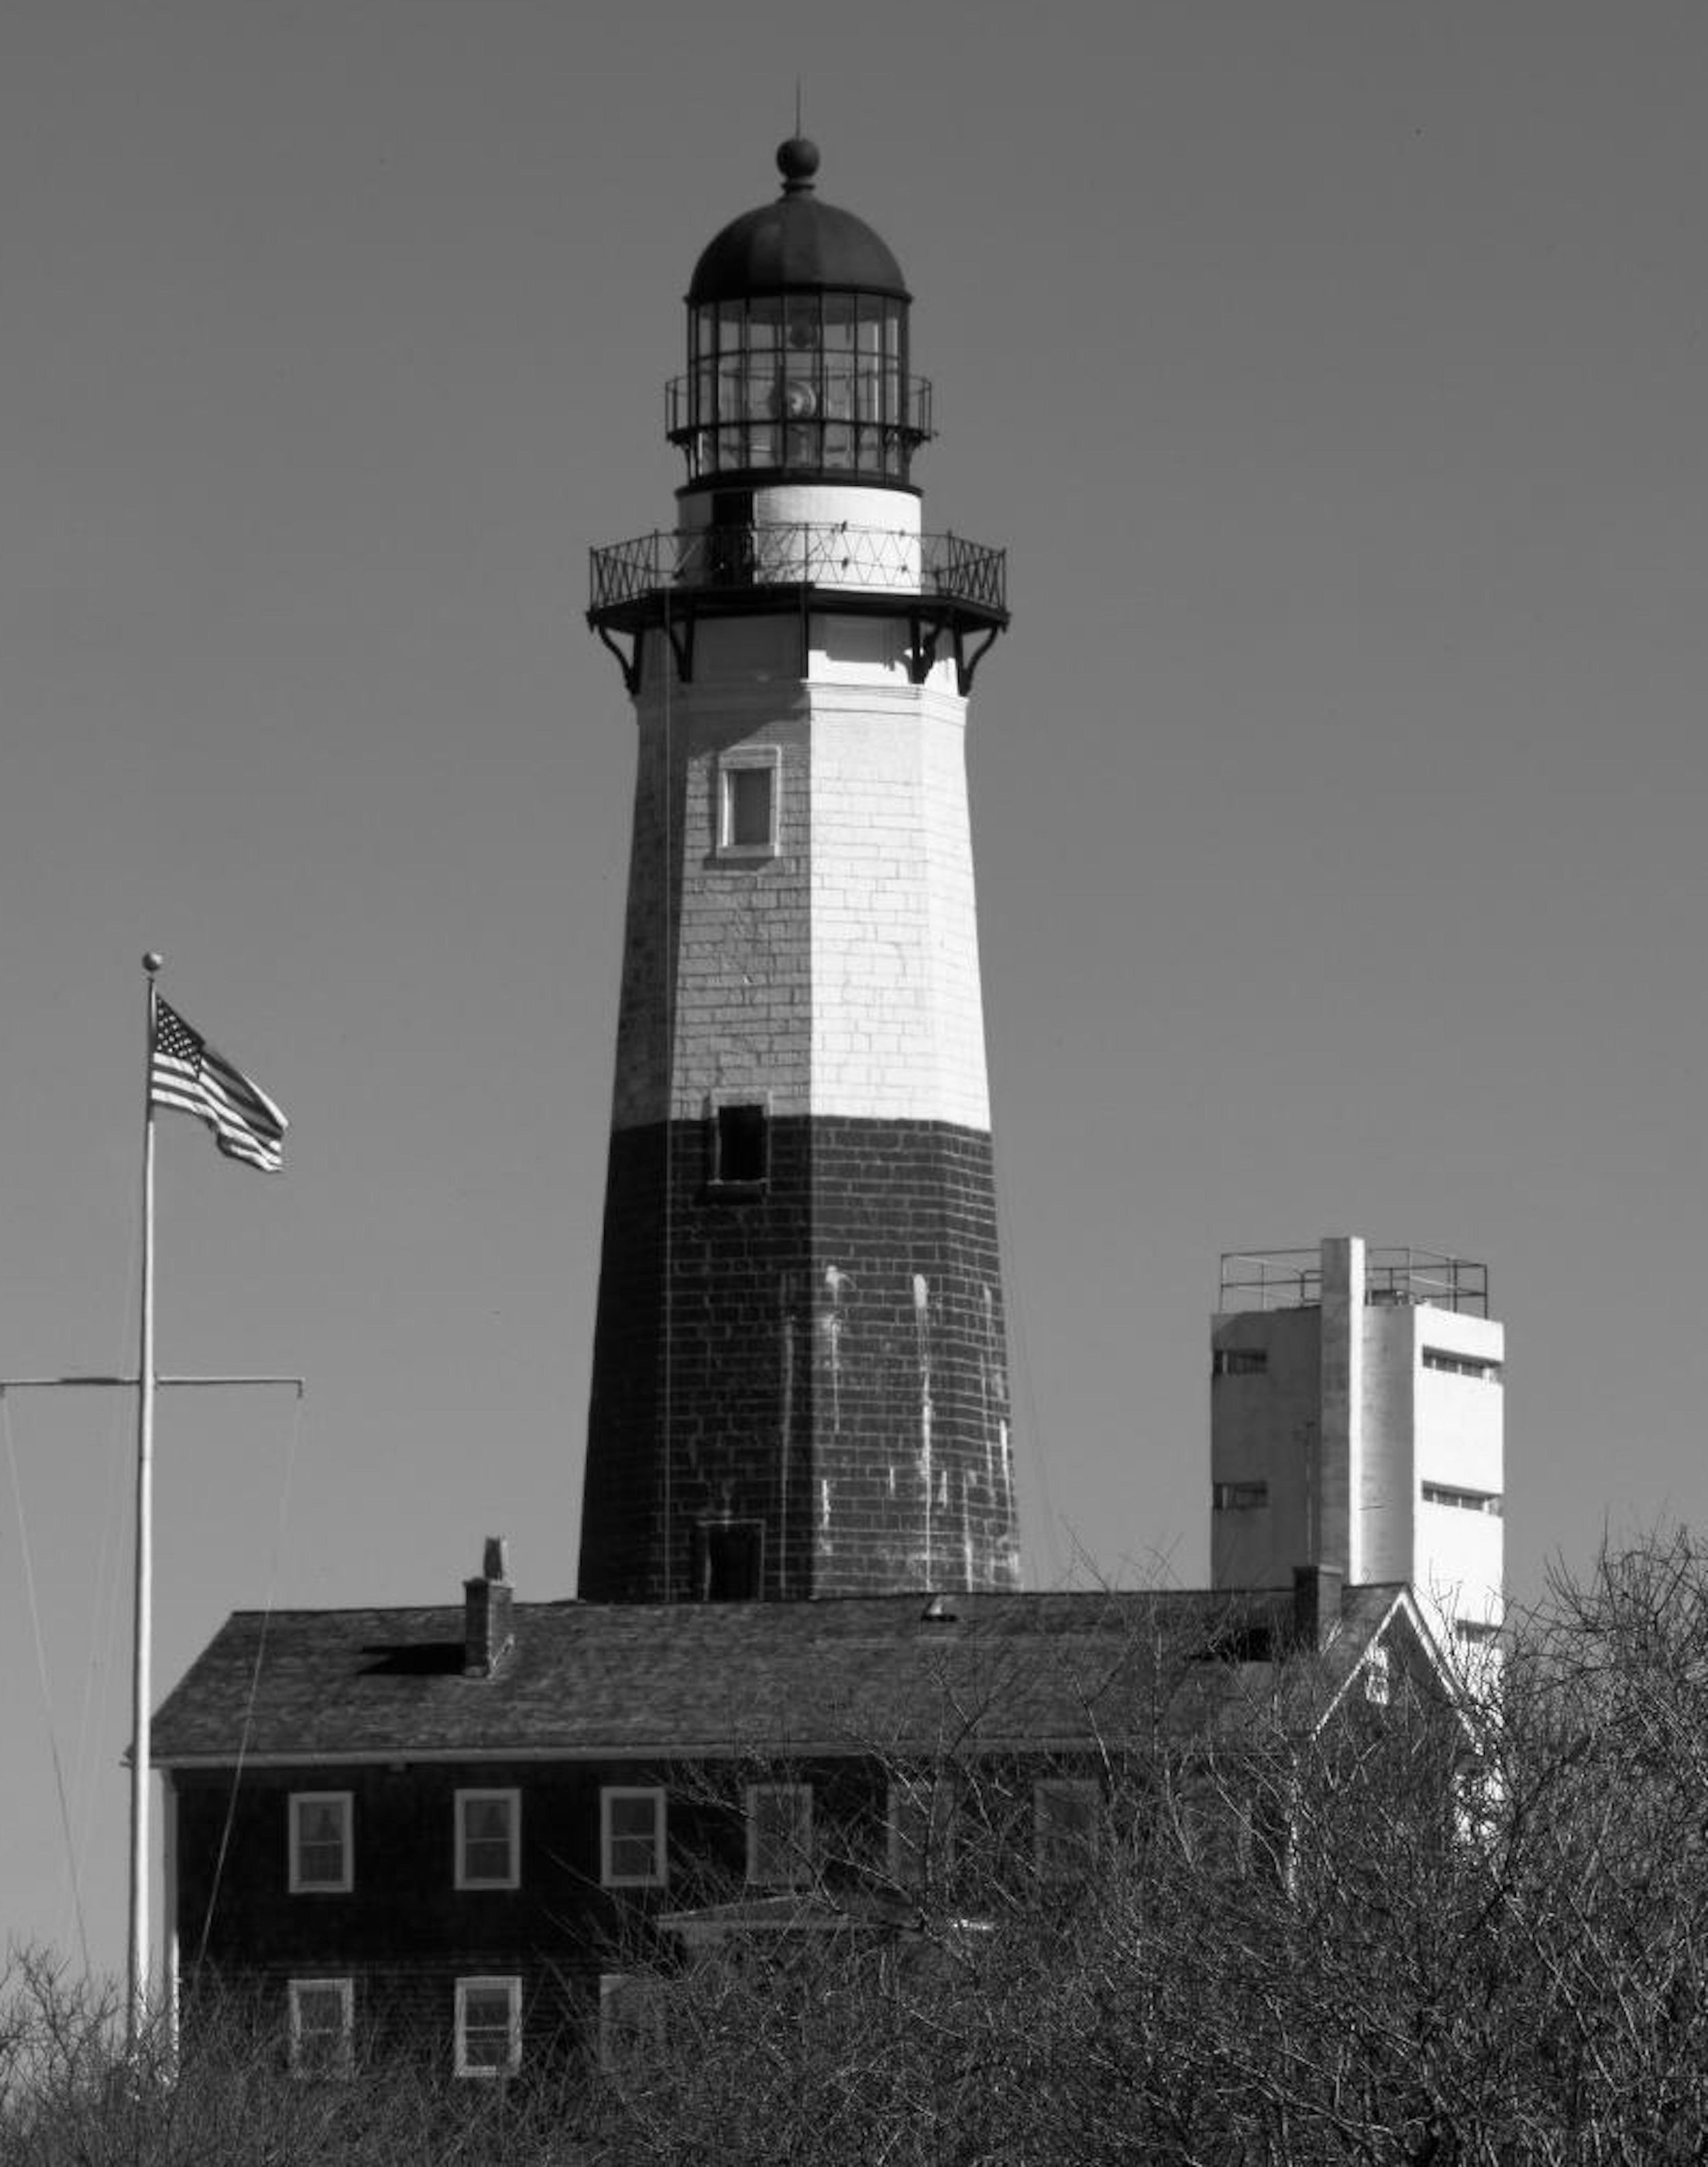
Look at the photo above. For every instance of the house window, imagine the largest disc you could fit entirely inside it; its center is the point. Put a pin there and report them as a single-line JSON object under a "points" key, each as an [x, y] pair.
{"points": [[1064, 1824], [320, 1843], [921, 1830], [1463, 1365], [1238, 1361], [488, 1838], [779, 1834], [322, 2026], [740, 1145], [1463, 1500], [747, 803], [1476, 1632], [489, 2026], [631, 1838], [633, 2012], [732, 1560], [1238, 1496]]}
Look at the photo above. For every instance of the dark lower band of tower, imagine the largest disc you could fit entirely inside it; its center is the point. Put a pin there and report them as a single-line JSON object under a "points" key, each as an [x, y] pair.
{"points": [[800, 1383]]}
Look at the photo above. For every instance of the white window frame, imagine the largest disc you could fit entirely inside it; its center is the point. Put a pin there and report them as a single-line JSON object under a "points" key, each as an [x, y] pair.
{"points": [[1060, 1850], [342, 2058], [790, 1850], [510, 1986], [632, 2014], [301, 1885], [609, 1797], [512, 1877], [746, 759]]}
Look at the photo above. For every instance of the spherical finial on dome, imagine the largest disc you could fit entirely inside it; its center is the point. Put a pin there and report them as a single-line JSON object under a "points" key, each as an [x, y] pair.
{"points": [[797, 161]]}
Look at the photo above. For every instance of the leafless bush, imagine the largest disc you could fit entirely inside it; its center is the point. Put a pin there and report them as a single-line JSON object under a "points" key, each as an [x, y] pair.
{"points": [[1418, 1932]]}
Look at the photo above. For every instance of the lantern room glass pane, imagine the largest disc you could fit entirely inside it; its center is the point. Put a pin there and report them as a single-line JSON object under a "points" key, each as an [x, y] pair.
{"points": [[804, 327], [798, 382]]}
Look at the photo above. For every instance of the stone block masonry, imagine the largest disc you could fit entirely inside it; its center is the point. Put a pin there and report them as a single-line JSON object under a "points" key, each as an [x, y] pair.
{"points": [[800, 1383], [819, 1357]]}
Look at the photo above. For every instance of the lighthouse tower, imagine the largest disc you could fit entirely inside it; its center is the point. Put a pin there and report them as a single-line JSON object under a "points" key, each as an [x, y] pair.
{"points": [[799, 1375]]}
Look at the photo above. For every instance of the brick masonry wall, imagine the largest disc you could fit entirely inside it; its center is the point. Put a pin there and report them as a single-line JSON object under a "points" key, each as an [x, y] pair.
{"points": [[825, 1355]]}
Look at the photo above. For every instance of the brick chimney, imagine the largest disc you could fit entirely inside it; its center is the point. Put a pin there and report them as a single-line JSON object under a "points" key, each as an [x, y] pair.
{"points": [[1317, 1592], [487, 1634]]}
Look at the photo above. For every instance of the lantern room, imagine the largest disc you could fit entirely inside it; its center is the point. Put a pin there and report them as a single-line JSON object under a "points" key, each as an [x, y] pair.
{"points": [[797, 348]]}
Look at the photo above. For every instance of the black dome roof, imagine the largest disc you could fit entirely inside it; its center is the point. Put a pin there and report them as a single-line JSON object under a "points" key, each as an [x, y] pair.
{"points": [[795, 242]]}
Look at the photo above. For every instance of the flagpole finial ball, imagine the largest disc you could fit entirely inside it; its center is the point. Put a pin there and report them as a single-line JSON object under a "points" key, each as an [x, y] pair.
{"points": [[152, 961]]}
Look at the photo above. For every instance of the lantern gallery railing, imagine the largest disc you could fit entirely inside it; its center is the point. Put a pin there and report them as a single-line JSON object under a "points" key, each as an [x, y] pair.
{"points": [[802, 554]]}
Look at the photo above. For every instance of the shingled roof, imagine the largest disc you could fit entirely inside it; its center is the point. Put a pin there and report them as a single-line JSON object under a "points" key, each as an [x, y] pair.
{"points": [[631, 1680]]}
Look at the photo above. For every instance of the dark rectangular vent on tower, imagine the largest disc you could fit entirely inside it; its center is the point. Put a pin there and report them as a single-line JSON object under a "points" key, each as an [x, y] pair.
{"points": [[732, 1560], [740, 1147]]}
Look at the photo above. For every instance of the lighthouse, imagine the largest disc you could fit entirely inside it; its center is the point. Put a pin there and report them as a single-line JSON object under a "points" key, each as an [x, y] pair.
{"points": [[800, 1380]]}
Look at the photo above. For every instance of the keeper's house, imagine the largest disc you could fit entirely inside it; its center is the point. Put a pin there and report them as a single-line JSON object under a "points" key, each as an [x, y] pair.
{"points": [[453, 1830]]}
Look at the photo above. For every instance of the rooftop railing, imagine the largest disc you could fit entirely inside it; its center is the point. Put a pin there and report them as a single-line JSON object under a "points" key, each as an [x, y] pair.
{"points": [[1292, 1279]]}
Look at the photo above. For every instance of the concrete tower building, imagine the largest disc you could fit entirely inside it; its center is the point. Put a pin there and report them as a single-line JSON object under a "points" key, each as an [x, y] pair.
{"points": [[1357, 1425], [800, 1378]]}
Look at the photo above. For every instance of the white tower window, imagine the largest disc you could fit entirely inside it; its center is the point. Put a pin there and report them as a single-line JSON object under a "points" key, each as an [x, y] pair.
{"points": [[747, 803]]}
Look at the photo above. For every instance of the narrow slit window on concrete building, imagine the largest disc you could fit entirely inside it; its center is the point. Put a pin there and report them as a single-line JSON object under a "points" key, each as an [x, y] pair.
{"points": [[740, 1145], [1463, 1365], [1464, 1501], [732, 1560], [1240, 1362], [747, 803], [1238, 1496]]}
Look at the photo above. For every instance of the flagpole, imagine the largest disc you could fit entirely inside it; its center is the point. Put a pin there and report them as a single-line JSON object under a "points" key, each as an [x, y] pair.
{"points": [[142, 1773]]}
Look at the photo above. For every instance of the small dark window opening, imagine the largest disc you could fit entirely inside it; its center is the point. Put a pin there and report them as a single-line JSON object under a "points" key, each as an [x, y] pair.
{"points": [[749, 814], [1240, 1644], [743, 1146], [732, 1561], [729, 544]]}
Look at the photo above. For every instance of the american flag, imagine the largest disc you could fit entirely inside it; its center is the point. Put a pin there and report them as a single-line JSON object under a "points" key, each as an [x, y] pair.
{"points": [[185, 1072]]}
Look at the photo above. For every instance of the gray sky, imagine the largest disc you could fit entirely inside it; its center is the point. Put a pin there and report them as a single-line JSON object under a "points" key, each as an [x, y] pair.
{"points": [[1334, 375]]}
